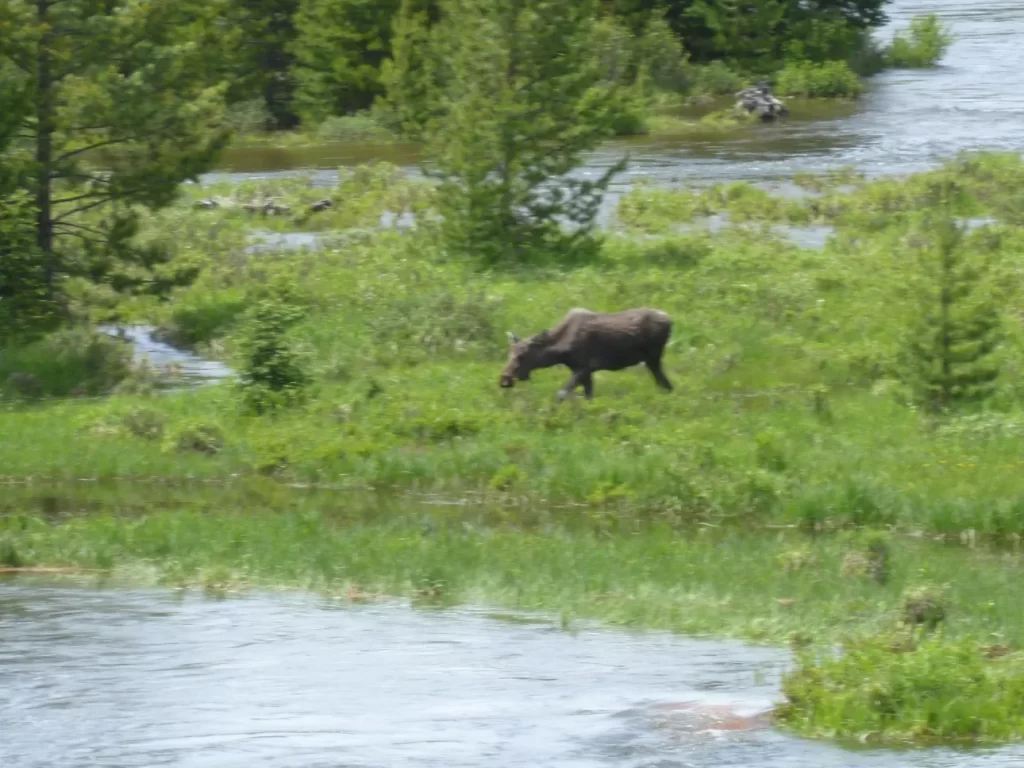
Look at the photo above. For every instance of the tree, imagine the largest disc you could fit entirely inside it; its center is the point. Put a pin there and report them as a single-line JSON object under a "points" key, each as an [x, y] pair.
{"points": [[518, 98], [339, 48], [406, 75], [957, 326], [119, 85], [263, 60]]}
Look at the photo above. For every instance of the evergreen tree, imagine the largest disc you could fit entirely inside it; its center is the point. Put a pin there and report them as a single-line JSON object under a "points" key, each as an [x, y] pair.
{"points": [[261, 66], [405, 76], [339, 48], [957, 325], [130, 86], [517, 97]]}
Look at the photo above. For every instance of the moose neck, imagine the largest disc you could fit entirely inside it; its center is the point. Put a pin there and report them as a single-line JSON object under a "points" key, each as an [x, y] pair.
{"points": [[546, 353]]}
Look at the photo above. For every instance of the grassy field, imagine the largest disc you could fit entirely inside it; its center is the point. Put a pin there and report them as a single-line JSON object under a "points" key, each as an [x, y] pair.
{"points": [[792, 403]]}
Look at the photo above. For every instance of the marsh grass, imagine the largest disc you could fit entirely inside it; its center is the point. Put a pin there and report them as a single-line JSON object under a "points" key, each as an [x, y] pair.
{"points": [[700, 582], [901, 688]]}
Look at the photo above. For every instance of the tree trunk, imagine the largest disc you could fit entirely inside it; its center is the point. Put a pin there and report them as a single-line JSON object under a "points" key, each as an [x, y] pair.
{"points": [[44, 146]]}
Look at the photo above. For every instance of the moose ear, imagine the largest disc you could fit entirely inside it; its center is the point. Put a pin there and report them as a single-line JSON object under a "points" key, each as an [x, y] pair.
{"points": [[512, 338]]}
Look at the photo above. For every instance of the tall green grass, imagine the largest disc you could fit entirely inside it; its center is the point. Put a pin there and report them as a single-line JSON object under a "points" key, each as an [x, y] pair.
{"points": [[770, 588]]}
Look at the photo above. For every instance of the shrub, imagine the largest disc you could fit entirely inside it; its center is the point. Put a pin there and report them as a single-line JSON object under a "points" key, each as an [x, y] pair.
{"points": [[143, 422], [361, 126], [272, 371], [716, 79], [928, 41], [894, 690], [196, 437], [72, 361], [829, 79]]}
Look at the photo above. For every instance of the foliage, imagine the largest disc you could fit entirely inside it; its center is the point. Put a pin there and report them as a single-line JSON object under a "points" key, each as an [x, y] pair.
{"points": [[339, 48], [406, 76], [895, 690], [25, 305], [523, 103], [716, 79], [88, 73], [196, 437], [272, 370], [361, 126], [829, 79], [957, 328], [72, 361], [261, 63], [925, 46]]}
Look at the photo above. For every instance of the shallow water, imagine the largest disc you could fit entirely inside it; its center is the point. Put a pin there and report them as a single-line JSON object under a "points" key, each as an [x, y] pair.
{"points": [[908, 121], [177, 367], [151, 678]]}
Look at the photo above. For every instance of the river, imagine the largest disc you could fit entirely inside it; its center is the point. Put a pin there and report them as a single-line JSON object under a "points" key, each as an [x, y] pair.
{"points": [[908, 121], [126, 678]]}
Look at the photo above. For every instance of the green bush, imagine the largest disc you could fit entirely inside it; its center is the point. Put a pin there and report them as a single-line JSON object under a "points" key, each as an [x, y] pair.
{"points": [[829, 79], [272, 372], [927, 43], [360, 126], [196, 437], [898, 689], [75, 361], [715, 79]]}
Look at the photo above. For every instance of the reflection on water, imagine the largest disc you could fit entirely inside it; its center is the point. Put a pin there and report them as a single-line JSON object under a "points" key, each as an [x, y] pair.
{"points": [[146, 678]]}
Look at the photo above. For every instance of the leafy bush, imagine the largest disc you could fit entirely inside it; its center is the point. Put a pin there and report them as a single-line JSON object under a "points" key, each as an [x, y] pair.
{"points": [[897, 689], [75, 361], [928, 41], [361, 126], [715, 79], [196, 437], [829, 79]]}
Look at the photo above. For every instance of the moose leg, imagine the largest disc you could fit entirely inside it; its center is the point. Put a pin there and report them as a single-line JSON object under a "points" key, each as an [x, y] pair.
{"points": [[654, 366], [577, 378], [588, 386]]}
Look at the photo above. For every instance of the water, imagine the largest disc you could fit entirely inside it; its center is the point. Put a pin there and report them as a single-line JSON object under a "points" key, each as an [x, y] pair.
{"points": [[177, 367], [148, 678], [908, 121]]}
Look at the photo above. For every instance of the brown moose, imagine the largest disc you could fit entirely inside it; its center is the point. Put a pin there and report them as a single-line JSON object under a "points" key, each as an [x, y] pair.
{"points": [[587, 341]]}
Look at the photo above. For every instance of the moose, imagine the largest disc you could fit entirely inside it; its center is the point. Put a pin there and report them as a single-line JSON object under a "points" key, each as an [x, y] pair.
{"points": [[586, 341]]}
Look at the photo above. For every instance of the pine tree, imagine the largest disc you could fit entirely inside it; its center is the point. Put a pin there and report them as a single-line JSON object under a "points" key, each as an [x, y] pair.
{"points": [[406, 76], [339, 48], [957, 326], [517, 99], [133, 84]]}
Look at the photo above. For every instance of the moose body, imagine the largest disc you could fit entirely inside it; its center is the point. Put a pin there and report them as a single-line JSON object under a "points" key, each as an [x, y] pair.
{"points": [[587, 341]]}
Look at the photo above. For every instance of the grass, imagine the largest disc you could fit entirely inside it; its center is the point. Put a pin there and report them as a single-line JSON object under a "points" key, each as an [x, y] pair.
{"points": [[781, 588], [789, 407], [899, 690]]}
